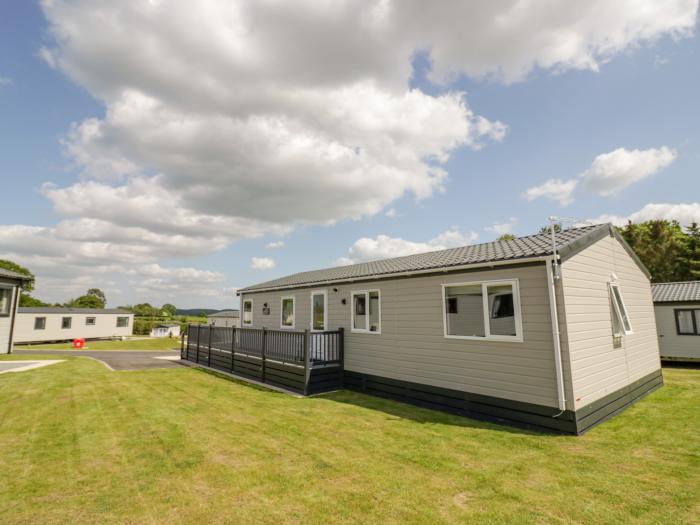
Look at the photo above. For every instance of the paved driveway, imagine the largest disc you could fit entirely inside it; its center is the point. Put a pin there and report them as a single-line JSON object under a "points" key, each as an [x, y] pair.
{"points": [[117, 360]]}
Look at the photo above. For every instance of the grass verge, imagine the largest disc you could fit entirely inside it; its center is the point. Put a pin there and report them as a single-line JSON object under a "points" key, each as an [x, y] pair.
{"points": [[155, 343]]}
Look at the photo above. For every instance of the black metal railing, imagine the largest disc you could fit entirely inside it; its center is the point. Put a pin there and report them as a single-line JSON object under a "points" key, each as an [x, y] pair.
{"points": [[275, 356]]}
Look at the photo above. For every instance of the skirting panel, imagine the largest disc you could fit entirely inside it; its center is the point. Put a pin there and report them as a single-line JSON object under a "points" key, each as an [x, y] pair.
{"points": [[506, 411]]}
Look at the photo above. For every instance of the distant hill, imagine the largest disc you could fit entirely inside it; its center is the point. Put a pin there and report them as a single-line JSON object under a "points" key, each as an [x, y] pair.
{"points": [[196, 311]]}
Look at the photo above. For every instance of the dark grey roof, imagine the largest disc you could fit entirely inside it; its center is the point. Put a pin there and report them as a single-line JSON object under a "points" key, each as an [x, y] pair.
{"points": [[63, 310], [676, 292], [13, 275], [226, 313], [568, 242]]}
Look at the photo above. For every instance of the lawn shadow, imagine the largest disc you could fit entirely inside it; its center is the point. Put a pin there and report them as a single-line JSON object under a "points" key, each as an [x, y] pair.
{"points": [[426, 415], [692, 365]]}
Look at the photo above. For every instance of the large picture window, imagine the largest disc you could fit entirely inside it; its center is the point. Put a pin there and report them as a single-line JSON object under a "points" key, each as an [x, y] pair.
{"points": [[687, 321], [287, 312], [5, 301], [122, 322], [621, 321], [482, 310], [366, 311], [247, 312]]}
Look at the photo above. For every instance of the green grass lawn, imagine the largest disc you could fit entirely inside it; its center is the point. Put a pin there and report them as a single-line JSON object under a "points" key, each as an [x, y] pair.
{"points": [[81, 444], [156, 343]]}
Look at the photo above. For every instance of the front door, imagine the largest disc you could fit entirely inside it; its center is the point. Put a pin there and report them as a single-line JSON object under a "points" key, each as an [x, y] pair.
{"points": [[319, 321]]}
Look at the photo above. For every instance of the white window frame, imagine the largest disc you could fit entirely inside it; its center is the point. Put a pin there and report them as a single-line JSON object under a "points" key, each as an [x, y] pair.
{"points": [[324, 293], [618, 313], [252, 309], [10, 300], [366, 293], [122, 317], [294, 312], [517, 312]]}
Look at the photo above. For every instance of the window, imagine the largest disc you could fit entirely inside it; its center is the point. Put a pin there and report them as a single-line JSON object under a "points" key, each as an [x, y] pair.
{"points": [[247, 312], [482, 310], [687, 322], [39, 323], [621, 321], [122, 322], [366, 312], [66, 322], [287, 312], [90, 321], [5, 301], [318, 311]]}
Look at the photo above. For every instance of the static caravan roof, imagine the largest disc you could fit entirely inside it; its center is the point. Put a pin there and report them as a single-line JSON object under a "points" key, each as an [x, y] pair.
{"points": [[226, 313], [63, 310], [688, 291], [568, 242], [13, 275]]}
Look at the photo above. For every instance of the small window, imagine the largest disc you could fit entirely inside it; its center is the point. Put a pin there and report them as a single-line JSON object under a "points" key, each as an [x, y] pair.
{"points": [[66, 322], [90, 321], [318, 311], [483, 310], [122, 322], [620, 311], [5, 301], [687, 322], [39, 323], [287, 312], [247, 312], [366, 311]]}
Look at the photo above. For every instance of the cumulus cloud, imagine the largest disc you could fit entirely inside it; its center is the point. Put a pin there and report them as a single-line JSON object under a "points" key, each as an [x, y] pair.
{"points": [[614, 171], [554, 189], [685, 214], [275, 245], [501, 228], [262, 263], [384, 247]]}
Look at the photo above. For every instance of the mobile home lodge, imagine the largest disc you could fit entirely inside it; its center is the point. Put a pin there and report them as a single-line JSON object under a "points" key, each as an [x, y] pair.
{"points": [[555, 332], [54, 324]]}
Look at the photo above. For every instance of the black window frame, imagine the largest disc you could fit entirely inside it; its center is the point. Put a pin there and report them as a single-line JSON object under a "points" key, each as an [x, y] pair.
{"points": [[94, 321], [43, 325], [694, 317], [63, 323]]}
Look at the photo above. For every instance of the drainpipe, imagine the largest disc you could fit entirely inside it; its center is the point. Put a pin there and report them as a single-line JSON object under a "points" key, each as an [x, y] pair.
{"points": [[556, 337], [13, 317]]}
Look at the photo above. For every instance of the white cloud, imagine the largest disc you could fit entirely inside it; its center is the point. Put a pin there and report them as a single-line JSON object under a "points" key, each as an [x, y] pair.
{"points": [[554, 189], [392, 213], [502, 227], [685, 214], [275, 245], [262, 263], [384, 247], [614, 171]]}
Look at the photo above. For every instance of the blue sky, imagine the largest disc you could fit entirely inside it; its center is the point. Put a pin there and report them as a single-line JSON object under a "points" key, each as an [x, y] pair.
{"points": [[639, 99]]}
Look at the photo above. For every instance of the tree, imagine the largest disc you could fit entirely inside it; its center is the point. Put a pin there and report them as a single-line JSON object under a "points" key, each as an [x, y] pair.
{"points": [[548, 229], [86, 301], [169, 309], [14, 267], [145, 310], [99, 294], [26, 300], [506, 237], [663, 248]]}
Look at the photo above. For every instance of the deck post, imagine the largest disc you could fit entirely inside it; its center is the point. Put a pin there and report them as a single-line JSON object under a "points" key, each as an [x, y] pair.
{"points": [[209, 345], [264, 338], [307, 361], [198, 330], [341, 347], [182, 344], [233, 346]]}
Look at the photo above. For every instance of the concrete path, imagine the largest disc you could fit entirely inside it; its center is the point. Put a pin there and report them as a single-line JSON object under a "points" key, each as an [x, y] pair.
{"points": [[118, 360], [21, 366]]}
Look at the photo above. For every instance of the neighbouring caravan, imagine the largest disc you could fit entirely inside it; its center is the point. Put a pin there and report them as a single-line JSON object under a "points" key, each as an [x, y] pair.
{"points": [[677, 308], [10, 286], [166, 330], [51, 323], [523, 331], [226, 318]]}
